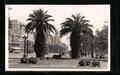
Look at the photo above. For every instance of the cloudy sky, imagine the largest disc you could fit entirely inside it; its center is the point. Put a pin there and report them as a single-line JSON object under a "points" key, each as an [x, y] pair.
{"points": [[97, 14]]}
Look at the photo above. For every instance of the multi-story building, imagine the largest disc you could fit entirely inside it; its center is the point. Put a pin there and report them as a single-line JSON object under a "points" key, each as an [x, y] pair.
{"points": [[15, 35], [52, 39]]}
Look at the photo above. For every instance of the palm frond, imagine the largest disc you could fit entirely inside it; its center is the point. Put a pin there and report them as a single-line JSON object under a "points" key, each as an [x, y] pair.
{"points": [[88, 31], [45, 12], [50, 20], [31, 15], [81, 18], [68, 23], [29, 27], [46, 16], [89, 25], [84, 21], [66, 26], [74, 17], [64, 31], [69, 19], [32, 19], [50, 27]]}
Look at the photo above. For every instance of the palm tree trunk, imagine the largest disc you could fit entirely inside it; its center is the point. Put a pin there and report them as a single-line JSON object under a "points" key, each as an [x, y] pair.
{"points": [[75, 45], [39, 46]]}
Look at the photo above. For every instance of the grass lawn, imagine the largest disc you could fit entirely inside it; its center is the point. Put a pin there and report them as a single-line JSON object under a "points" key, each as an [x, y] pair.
{"points": [[54, 63]]}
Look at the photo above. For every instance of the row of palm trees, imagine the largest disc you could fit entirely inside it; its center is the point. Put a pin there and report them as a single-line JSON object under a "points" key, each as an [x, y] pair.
{"points": [[81, 34]]}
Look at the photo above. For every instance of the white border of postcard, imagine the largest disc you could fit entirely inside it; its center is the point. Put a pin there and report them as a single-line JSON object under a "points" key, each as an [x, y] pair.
{"points": [[44, 69]]}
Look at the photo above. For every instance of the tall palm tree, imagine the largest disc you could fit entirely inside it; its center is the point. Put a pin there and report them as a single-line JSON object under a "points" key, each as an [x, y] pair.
{"points": [[78, 27], [39, 21]]}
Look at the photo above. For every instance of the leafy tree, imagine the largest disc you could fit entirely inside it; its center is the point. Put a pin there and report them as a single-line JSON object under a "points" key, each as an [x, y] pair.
{"points": [[78, 26], [55, 48], [102, 40], [87, 45], [39, 21]]}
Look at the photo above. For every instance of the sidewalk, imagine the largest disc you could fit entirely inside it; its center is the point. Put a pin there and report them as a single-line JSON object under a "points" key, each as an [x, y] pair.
{"points": [[19, 55]]}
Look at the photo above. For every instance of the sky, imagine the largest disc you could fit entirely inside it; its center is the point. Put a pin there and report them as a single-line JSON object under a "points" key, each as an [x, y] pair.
{"points": [[97, 14]]}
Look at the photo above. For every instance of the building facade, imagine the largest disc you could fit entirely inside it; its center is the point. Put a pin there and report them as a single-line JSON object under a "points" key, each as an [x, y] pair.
{"points": [[15, 36]]}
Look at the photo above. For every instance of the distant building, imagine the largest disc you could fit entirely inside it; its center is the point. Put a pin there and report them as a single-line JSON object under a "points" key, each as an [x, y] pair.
{"points": [[49, 37], [56, 39], [16, 40], [15, 35], [52, 39], [22, 33]]}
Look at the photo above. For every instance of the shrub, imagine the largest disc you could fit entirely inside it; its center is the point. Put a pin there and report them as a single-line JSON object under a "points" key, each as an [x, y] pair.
{"points": [[82, 62], [24, 60], [87, 62], [32, 60], [96, 63]]}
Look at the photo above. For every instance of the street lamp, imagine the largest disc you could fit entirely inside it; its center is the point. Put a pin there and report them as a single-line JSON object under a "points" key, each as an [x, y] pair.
{"points": [[25, 45]]}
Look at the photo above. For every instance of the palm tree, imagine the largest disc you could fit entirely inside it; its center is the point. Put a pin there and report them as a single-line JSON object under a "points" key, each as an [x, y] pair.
{"points": [[78, 27], [39, 21]]}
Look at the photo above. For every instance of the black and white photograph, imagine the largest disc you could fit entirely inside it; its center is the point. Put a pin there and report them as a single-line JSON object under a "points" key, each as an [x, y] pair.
{"points": [[57, 37]]}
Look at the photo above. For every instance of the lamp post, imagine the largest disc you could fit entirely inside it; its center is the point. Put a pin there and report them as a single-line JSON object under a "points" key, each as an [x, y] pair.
{"points": [[25, 45]]}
